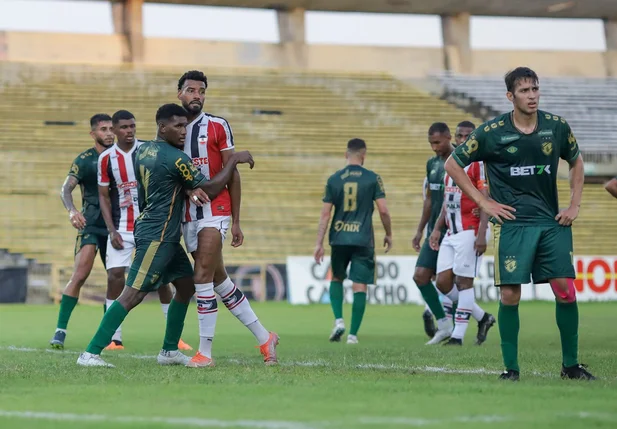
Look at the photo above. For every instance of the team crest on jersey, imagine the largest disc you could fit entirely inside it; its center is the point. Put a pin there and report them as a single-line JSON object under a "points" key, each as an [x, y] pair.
{"points": [[510, 264], [547, 148], [512, 149], [203, 133]]}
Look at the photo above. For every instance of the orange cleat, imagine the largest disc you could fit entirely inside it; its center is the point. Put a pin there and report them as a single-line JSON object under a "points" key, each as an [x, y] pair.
{"points": [[200, 361], [114, 345], [268, 349], [184, 346]]}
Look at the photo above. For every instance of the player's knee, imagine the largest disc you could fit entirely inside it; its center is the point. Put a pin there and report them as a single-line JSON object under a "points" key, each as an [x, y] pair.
{"points": [[421, 277], [564, 290], [443, 284], [115, 277], [130, 298], [463, 283], [359, 287], [510, 295]]}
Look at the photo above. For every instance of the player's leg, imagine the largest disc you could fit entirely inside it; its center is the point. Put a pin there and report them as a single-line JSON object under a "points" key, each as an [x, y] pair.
{"points": [[85, 253], [445, 281], [117, 260], [340, 257], [426, 266], [166, 294], [554, 265], [361, 273]]}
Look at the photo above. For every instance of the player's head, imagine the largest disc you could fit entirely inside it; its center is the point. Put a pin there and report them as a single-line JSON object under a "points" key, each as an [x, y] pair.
{"points": [[463, 130], [356, 151], [439, 137], [523, 88], [192, 91], [171, 121], [123, 123], [101, 130]]}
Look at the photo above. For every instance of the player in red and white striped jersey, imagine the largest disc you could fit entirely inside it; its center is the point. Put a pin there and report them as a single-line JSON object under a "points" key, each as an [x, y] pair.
{"points": [[120, 207], [460, 253], [209, 142]]}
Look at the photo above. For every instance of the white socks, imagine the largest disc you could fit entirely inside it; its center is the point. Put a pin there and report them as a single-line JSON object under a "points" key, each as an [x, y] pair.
{"points": [[118, 334], [165, 308], [466, 302], [207, 312]]}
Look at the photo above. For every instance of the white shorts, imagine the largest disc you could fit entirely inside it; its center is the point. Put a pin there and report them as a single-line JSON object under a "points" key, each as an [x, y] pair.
{"points": [[190, 230], [457, 253], [123, 257]]}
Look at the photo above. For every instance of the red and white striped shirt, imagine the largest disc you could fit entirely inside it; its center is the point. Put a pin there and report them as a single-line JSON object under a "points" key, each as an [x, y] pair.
{"points": [[206, 138], [116, 170], [459, 207]]}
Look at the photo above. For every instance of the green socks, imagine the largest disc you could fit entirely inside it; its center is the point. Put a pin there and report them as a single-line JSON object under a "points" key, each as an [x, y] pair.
{"points": [[67, 304], [336, 299], [567, 322], [509, 325], [430, 295], [175, 324], [357, 311], [114, 316]]}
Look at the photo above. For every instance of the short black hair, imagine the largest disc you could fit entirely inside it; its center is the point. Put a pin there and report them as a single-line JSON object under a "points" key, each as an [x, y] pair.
{"points": [[466, 124], [167, 111], [438, 127], [99, 117], [192, 75], [121, 115], [520, 73], [356, 145]]}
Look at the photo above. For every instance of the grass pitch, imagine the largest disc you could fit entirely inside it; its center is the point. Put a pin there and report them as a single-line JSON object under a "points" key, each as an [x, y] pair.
{"points": [[389, 380]]}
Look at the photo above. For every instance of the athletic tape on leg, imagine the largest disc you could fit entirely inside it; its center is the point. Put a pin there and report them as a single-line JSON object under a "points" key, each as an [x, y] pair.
{"points": [[568, 296]]}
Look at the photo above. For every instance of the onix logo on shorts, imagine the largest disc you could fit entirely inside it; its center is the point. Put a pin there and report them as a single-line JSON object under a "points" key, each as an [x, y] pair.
{"points": [[530, 170]]}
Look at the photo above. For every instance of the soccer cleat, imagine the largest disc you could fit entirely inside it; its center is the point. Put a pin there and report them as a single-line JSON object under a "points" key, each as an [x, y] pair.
{"points": [[337, 331], [174, 357], [352, 339], [200, 361], [484, 325], [57, 342], [576, 372], [453, 342], [429, 323], [184, 346], [444, 331], [510, 375], [115, 345], [268, 349], [88, 359]]}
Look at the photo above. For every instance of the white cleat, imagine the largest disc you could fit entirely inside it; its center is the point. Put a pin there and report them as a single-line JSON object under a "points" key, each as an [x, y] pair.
{"points": [[444, 331], [174, 357], [352, 339], [337, 331], [88, 359]]}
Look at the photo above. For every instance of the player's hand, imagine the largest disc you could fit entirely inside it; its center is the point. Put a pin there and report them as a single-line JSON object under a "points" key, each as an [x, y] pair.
{"points": [[244, 157], [198, 196], [237, 235], [77, 219], [318, 254], [480, 245], [476, 211], [433, 240], [567, 216], [116, 240], [415, 242], [496, 210], [387, 243]]}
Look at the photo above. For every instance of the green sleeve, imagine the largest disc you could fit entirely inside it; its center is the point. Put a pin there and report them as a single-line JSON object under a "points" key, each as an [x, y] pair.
{"points": [[568, 147], [474, 149], [328, 195], [186, 172], [380, 191], [78, 169]]}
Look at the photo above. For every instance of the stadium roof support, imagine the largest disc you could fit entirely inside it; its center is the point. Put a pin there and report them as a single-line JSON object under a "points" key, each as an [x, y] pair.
{"points": [[128, 22], [610, 31], [456, 30]]}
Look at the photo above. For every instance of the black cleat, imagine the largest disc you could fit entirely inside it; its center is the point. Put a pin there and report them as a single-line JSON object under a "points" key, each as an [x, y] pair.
{"points": [[57, 342], [484, 325], [429, 323], [510, 375], [576, 372], [453, 342]]}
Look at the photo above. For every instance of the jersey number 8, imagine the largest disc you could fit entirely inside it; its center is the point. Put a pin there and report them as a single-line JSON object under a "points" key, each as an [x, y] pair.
{"points": [[351, 197]]}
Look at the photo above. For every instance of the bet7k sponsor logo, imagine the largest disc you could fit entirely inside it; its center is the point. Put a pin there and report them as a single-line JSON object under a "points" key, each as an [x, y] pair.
{"points": [[530, 170]]}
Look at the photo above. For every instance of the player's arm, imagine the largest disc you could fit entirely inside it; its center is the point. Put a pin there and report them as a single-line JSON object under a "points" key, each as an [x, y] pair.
{"points": [[435, 237], [235, 192], [105, 204], [480, 179], [324, 220], [66, 195], [215, 186], [426, 215], [611, 187], [570, 152], [379, 196]]}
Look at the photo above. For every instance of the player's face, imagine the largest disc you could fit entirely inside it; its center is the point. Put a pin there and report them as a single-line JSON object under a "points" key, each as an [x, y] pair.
{"points": [[462, 133], [103, 134], [125, 131], [440, 143], [192, 96], [174, 131], [526, 96]]}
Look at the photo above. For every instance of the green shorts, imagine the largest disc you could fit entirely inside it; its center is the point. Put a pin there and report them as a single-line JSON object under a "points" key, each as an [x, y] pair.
{"points": [[362, 260], [428, 257], [544, 252], [157, 263], [94, 236]]}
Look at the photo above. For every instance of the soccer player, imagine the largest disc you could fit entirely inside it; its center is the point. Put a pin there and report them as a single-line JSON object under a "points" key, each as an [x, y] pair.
{"points": [[163, 171], [611, 187], [92, 234], [120, 207], [352, 191], [460, 253], [210, 144], [521, 152]]}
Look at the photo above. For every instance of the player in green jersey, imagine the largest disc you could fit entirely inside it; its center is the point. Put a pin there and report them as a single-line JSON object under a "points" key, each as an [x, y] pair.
{"points": [[92, 233], [352, 192], [521, 152], [163, 172]]}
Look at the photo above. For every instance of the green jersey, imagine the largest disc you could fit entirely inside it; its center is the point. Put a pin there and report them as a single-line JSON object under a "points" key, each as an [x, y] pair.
{"points": [[352, 191], [435, 173], [84, 169], [162, 173], [521, 169]]}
